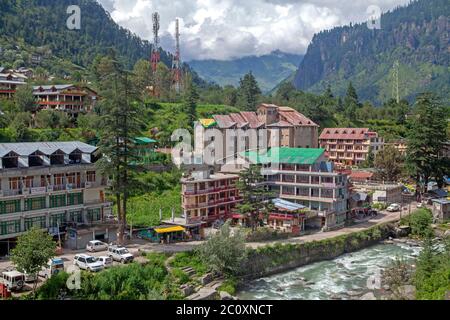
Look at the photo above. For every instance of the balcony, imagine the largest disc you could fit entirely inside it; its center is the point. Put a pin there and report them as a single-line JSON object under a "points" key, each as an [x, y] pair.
{"points": [[11, 193]]}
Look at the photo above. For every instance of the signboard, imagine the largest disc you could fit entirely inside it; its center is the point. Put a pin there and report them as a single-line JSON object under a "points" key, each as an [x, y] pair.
{"points": [[40, 190]]}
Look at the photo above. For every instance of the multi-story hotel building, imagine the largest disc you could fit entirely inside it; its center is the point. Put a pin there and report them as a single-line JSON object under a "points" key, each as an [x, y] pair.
{"points": [[68, 98], [49, 185], [305, 177], [209, 197], [280, 126], [350, 146], [9, 83]]}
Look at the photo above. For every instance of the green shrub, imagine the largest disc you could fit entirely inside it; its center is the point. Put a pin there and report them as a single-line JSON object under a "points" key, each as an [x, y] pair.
{"points": [[190, 259], [420, 222], [229, 285], [180, 275], [52, 288]]}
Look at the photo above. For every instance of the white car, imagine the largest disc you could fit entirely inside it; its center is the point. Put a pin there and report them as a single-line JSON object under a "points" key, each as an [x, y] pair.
{"points": [[393, 207], [13, 280], [89, 263], [106, 261], [96, 246], [120, 254]]}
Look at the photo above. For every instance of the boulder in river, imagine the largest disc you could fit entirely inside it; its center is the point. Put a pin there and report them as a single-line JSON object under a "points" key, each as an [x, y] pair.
{"points": [[368, 296]]}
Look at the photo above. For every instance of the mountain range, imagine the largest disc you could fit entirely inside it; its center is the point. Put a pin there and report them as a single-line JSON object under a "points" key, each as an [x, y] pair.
{"points": [[411, 51], [269, 70]]}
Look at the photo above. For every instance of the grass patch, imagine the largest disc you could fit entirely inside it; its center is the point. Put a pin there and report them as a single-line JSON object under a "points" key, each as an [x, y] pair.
{"points": [[190, 259]]}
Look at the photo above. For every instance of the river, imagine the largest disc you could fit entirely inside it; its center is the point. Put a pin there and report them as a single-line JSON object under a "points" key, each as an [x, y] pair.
{"points": [[345, 277]]}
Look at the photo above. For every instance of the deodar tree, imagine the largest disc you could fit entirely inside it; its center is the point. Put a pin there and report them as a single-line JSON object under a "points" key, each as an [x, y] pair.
{"points": [[119, 126], [426, 137], [256, 204]]}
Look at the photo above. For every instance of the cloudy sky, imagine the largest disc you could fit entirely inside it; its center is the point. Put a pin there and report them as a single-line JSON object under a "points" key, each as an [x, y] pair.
{"points": [[226, 29]]}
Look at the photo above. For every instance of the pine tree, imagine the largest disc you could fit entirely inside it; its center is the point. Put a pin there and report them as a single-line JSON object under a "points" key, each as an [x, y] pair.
{"points": [[248, 92], [190, 102], [425, 138], [119, 125], [351, 103], [256, 204]]}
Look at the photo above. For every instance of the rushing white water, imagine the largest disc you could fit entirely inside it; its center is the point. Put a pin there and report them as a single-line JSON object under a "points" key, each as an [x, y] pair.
{"points": [[342, 278]]}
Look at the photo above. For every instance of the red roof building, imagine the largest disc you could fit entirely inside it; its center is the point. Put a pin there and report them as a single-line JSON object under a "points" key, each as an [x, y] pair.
{"points": [[350, 146]]}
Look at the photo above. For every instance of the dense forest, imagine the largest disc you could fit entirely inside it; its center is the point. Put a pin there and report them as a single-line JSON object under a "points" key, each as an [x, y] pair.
{"points": [[413, 42], [41, 24]]}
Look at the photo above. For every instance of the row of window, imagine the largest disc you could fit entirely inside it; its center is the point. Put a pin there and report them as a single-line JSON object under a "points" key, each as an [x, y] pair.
{"points": [[39, 203], [56, 220], [17, 183]]}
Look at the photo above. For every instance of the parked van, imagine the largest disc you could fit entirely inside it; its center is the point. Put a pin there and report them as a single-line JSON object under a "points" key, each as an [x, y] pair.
{"points": [[13, 280], [54, 266]]}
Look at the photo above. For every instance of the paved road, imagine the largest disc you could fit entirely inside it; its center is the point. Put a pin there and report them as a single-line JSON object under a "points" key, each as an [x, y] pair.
{"points": [[142, 245], [382, 218]]}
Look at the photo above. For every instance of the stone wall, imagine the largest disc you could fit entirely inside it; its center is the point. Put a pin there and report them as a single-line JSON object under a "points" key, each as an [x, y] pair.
{"points": [[282, 257]]}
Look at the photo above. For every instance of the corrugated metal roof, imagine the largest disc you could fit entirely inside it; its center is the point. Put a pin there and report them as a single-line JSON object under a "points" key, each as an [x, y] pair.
{"points": [[294, 117], [224, 121], [240, 121], [56, 86], [345, 133], [280, 124], [144, 140], [47, 148], [287, 205], [286, 155], [252, 119]]}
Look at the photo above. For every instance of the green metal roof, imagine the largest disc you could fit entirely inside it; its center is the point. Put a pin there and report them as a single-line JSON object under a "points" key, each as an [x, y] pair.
{"points": [[286, 155], [144, 140]]}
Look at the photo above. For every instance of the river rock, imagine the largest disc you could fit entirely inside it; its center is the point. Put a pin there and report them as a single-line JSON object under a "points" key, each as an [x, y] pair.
{"points": [[225, 296], [354, 293], [368, 296], [407, 292]]}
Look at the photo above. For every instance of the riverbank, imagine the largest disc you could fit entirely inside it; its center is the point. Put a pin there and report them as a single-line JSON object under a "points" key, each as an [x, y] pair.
{"points": [[352, 276], [281, 257]]}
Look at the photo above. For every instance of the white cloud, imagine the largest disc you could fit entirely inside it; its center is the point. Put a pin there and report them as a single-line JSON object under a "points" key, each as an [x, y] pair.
{"points": [[224, 29]]}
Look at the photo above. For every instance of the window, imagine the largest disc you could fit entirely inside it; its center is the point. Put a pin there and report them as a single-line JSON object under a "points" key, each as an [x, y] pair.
{"points": [[94, 215], [90, 176], [9, 206], [14, 183], [58, 201], [38, 222], [28, 182], [74, 199], [10, 227], [70, 178], [57, 219], [58, 179], [76, 216], [35, 204]]}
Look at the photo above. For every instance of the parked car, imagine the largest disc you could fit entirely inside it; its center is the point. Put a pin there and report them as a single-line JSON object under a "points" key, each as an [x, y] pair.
{"points": [[120, 254], [89, 263], [218, 224], [54, 266], [13, 280], [31, 278], [106, 261], [393, 207], [96, 246]]}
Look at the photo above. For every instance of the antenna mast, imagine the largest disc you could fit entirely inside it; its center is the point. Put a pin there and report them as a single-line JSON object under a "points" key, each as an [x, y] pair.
{"points": [[176, 62], [156, 57]]}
